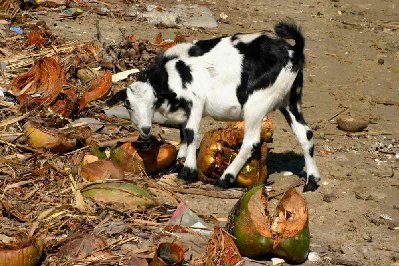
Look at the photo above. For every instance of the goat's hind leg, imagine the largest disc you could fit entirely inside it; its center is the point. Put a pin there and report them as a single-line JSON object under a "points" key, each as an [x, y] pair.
{"points": [[304, 134]]}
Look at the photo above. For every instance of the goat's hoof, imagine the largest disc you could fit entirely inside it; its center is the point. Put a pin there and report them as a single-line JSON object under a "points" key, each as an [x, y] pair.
{"points": [[226, 181], [311, 185], [181, 160], [188, 174]]}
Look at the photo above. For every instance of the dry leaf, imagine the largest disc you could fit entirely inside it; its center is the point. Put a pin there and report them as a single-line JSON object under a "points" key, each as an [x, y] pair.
{"points": [[98, 88]]}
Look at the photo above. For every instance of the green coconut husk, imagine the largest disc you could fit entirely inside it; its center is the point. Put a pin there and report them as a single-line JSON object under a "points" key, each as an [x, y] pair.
{"points": [[257, 234], [250, 223]]}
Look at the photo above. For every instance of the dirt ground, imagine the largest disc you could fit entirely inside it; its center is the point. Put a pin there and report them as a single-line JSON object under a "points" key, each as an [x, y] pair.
{"points": [[352, 67]]}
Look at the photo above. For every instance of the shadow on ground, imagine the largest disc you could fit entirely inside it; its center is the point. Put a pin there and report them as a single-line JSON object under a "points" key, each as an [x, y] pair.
{"points": [[286, 162]]}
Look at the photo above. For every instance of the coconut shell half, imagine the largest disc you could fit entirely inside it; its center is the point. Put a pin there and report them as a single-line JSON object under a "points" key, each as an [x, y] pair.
{"points": [[258, 234], [290, 229], [250, 223], [21, 254], [152, 157]]}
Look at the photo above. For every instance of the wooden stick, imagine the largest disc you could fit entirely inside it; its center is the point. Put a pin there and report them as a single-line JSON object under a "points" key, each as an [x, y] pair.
{"points": [[20, 146], [222, 194]]}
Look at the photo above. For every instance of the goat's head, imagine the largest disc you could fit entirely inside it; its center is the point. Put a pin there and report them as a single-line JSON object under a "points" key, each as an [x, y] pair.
{"points": [[139, 100]]}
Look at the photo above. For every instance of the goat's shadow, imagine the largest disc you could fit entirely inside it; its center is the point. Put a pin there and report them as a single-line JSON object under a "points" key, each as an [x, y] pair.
{"points": [[288, 161]]}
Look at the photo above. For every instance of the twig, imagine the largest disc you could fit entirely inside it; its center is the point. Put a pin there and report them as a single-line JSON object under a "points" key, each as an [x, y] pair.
{"points": [[77, 150], [145, 222], [168, 190], [14, 120], [112, 142], [30, 194], [387, 102], [99, 36], [18, 184], [340, 112], [207, 193], [20, 146]]}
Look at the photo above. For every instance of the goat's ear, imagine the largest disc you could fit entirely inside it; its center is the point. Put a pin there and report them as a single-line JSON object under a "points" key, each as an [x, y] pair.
{"points": [[120, 96]]}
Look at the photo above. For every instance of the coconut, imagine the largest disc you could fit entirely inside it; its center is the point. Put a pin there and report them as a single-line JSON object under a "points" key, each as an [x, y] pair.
{"points": [[258, 234], [152, 156], [219, 147]]}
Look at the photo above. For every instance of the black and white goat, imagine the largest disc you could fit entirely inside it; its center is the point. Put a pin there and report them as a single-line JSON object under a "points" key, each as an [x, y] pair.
{"points": [[241, 77]]}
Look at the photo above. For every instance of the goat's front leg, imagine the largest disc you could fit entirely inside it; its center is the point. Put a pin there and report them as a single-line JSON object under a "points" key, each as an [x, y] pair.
{"points": [[190, 136], [183, 143], [252, 128], [304, 134]]}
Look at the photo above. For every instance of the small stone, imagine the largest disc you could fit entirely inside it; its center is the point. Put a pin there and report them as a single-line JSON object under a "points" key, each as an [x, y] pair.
{"points": [[386, 217], [329, 197], [351, 124], [223, 15], [368, 238], [381, 61], [314, 257], [277, 261], [103, 11]]}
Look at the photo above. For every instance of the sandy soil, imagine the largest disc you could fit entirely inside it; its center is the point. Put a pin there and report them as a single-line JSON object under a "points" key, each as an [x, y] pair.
{"points": [[352, 52]]}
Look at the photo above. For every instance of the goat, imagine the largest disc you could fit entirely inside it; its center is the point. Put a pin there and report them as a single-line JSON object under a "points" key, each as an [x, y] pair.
{"points": [[240, 77]]}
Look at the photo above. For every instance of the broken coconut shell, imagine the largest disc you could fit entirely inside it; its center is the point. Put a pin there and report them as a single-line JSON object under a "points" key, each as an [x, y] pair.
{"points": [[219, 148], [21, 254], [100, 170], [221, 249], [257, 234], [250, 223], [42, 83], [97, 89], [290, 229], [153, 156], [128, 194], [168, 254], [49, 139]]}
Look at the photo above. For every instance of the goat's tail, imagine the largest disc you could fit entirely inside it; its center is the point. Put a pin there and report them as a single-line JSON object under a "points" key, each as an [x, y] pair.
{"points": [[288, 29]]}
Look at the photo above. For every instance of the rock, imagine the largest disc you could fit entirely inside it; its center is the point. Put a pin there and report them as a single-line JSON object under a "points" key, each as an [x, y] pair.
{"points": [[314, 257], [103, 11], [381, 61], [179, 15], [277, 261], [350, 124]]}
